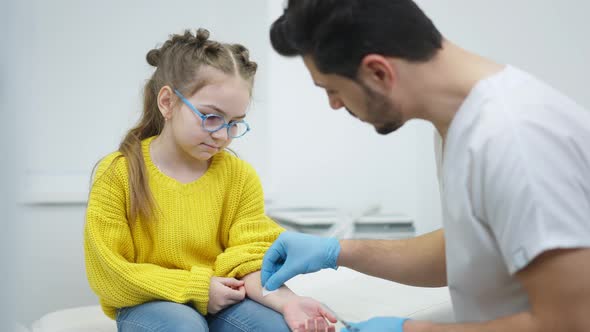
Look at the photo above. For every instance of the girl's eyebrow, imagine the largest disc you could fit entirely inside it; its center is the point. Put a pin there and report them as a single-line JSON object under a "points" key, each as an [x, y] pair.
{"points": [[219, 110]]}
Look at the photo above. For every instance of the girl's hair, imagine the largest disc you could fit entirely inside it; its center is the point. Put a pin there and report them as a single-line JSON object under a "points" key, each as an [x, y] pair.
{"points": [[177, 64]]}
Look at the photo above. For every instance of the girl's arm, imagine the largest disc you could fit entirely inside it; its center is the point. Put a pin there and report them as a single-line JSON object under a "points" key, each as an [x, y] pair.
{"points": [[300, 313], [276, 300]]}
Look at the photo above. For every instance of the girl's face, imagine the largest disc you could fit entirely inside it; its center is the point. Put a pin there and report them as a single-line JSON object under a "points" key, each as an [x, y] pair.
{"points": [[227, 96]]}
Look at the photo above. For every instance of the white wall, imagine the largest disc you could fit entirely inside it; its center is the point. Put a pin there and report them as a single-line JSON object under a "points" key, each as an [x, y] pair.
{"points": [[81, 68], [87, 70], [8, 166], [547, 38]]}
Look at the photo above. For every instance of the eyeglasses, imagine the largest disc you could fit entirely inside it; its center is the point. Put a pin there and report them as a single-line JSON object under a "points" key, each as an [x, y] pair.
{"points": [[214, 122]]}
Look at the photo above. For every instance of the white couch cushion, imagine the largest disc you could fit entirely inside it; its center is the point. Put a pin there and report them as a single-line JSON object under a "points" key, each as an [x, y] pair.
{"points": [[80, 319], [19, 328]]}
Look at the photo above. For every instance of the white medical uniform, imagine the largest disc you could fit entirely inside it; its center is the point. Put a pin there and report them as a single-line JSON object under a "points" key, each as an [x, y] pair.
{"points": [[515, 182]]}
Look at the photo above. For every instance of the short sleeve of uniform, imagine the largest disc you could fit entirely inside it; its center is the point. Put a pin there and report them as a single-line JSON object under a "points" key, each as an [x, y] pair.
{"points": [[533, 185]]}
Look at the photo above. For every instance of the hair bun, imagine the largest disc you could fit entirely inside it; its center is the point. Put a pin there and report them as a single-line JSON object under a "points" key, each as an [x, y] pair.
{"points": [[153, 57], [202, 36], [252, 66]]}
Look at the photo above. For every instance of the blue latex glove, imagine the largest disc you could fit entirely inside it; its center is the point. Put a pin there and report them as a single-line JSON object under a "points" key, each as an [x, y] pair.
{"points": [[380, 324], [295, 253]]}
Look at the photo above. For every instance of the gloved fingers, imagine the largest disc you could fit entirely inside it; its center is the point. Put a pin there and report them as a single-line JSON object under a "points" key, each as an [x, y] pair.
{"points": [[281, 276], [274, 256]]}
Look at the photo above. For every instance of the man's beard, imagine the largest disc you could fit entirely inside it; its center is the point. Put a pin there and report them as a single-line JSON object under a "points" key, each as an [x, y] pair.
{"points": [[382, 108]]}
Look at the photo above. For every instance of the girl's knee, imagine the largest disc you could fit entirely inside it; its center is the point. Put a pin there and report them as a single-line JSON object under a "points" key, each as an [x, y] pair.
{"points": [[161, 316]]}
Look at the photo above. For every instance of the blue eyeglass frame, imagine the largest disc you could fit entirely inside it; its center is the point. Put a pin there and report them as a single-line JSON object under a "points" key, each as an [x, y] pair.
{"points": [[205, 117]]}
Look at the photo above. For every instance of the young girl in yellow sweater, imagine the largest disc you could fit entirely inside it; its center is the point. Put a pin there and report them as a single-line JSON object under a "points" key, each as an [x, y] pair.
{"points": [[175, 226]]}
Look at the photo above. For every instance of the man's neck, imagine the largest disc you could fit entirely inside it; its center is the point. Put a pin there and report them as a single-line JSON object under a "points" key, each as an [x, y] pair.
{"points": [[447, 80]]}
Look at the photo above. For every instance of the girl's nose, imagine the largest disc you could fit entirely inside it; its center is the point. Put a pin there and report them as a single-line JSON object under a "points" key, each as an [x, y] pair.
{"points": [[221, 134]]}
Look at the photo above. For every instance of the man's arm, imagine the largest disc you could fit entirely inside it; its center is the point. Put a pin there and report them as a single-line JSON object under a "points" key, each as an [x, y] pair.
{"points": [[418, 261], [558, 286]]}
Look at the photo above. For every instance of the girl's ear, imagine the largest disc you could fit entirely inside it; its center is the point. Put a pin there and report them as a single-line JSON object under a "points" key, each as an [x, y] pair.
{"points": [[166, 101]]}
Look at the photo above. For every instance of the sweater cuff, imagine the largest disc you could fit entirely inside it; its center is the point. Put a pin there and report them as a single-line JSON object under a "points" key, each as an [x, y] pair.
{"points": [[244, 269], [198, 288]]}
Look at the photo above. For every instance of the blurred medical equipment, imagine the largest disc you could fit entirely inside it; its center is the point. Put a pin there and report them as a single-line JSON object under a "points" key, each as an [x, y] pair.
{"points": [[368, 223]]}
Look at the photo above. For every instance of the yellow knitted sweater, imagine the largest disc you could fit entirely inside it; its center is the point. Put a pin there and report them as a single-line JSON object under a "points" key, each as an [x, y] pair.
{"points": [[215, 225]]}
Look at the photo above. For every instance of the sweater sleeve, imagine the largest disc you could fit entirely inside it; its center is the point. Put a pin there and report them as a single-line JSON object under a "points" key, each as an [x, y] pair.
{"points": [[251, 232], [109, 253]]}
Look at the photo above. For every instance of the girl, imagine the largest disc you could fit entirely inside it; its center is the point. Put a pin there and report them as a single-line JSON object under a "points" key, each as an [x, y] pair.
{"points": [[175, 227]]}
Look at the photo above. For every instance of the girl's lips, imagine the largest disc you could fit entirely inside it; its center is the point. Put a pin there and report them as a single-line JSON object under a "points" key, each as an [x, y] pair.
{"points": [[213, 147]]}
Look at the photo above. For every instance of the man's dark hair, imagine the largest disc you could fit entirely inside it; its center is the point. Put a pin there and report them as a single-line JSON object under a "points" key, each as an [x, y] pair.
{"points": [[337, 34]]}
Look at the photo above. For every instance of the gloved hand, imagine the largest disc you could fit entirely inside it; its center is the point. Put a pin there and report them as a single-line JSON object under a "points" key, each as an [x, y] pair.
{"points": [[295, 253], [380, 324]]}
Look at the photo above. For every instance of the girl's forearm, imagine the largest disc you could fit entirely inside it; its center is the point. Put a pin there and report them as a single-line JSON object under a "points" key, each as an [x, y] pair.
{"points": [[275, 301]]}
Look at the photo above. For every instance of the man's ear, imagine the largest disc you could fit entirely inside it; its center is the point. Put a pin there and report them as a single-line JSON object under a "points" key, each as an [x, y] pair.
{"points": [[377, 72], [166, 101]]}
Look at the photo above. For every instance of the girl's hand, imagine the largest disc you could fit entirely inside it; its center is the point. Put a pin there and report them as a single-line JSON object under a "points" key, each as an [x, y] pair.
{"points": [[304, 314], [224, 292]]}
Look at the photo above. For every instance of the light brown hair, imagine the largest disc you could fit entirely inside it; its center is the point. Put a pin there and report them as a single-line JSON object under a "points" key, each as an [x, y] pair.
{"points": [[177, 64]]}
